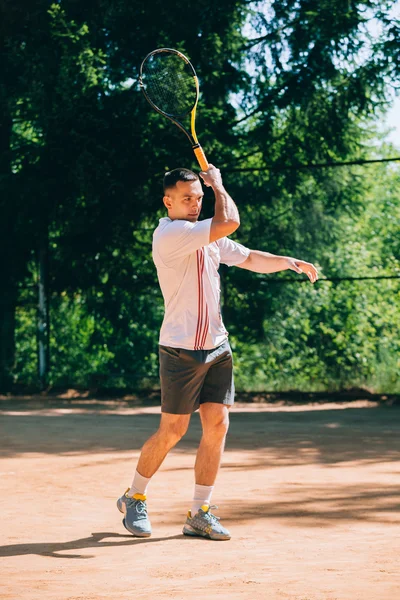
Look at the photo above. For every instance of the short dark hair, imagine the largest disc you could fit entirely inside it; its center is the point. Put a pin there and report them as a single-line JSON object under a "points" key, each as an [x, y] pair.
{"points": [[172, 177]]}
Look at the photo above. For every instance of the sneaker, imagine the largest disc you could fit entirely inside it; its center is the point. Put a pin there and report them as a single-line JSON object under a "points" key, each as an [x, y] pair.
{"points": [[136, 520], [205, 524]]}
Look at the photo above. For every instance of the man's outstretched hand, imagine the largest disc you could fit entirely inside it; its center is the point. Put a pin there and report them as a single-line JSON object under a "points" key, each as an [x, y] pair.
{"points": [[300, 266]]}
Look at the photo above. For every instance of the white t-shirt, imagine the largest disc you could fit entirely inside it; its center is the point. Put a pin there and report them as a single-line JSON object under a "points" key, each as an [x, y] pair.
{"points": [[187, 268]]}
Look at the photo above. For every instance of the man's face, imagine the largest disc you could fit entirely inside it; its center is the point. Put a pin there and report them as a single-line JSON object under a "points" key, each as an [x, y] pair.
{"points": [[184, 200]]}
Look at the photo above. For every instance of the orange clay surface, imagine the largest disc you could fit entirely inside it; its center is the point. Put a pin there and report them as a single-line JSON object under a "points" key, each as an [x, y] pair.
{"points": [[310, 494]]}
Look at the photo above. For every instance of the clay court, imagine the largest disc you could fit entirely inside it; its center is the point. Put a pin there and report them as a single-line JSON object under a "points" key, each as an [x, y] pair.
{"points": [[310, 493]]}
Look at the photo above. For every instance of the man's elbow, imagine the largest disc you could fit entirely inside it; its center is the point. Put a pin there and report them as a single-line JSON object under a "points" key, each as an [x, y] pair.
{"points": [[220, 229], [234, 224]]}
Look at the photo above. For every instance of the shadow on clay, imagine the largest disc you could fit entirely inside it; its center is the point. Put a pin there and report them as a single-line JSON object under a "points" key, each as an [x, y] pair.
{"points": [[96, 540]]}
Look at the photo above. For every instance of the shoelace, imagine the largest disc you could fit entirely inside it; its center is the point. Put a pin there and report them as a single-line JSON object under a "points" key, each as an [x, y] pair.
{"points": [[213, 517], [139, 505]]}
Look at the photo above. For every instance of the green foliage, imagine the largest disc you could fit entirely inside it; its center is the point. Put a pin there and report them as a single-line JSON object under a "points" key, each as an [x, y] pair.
{"points": [[334, 334], [81, 66], [82, 157], [25, 367]]}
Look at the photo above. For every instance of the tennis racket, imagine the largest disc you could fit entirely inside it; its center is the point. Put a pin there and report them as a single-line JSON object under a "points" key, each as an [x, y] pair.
{"points": [[169, 83]]}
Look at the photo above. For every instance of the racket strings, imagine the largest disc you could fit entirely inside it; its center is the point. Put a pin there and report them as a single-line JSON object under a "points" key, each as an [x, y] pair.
{"points": [[169, 84]]}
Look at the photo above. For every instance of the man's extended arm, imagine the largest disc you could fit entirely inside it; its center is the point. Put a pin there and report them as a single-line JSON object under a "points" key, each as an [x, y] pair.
{"points": [[264, 262], [226, 216]]}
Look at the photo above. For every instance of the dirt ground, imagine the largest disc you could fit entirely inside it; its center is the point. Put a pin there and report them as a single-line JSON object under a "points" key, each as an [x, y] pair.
{"points": [[310, 494]]}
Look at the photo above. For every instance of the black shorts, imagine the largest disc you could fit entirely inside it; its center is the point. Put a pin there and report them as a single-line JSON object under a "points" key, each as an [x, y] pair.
{"points": [[192, 377]]}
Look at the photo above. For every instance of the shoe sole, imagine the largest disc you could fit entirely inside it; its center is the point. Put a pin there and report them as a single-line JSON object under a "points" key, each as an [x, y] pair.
{"points": [[192, 532], [134, 532]]}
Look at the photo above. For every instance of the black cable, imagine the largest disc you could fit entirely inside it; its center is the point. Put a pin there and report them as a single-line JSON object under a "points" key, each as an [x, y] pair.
{"points": [[335, 279], [30, 304], [309, 166]]}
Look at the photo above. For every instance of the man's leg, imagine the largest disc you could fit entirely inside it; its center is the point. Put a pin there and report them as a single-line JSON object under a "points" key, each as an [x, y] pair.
{"points": [[133, 503], [200, 520], [180, 387], [172, 429], [217, 395], [215, 423]]}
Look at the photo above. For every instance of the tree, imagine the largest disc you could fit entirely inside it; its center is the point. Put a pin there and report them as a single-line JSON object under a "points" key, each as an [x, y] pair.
{"points": [[85, 155], [82, 150]]}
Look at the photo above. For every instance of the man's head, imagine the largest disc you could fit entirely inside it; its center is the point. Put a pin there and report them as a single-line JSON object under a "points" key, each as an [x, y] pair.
{"points": [[183, 194]]}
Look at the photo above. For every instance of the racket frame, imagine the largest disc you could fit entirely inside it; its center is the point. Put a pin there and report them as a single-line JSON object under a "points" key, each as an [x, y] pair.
{"points": [[192, 137]]}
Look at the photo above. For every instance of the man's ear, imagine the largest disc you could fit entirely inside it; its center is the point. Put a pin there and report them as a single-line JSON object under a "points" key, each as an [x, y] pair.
{"points": [[167, 202]]}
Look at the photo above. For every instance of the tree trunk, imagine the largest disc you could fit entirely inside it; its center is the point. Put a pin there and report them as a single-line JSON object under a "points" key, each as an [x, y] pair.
{"points": [[8, 302], [8, 287]]}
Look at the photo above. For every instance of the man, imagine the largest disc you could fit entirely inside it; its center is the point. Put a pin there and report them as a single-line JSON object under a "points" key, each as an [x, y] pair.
{"points": [[195, 356]]}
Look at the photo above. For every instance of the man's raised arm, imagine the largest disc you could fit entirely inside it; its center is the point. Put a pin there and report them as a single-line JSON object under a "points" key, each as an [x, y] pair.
{"points": [[226, 215]]}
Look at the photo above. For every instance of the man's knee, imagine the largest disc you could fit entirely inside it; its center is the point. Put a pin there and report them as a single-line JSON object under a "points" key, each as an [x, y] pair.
{"points": [[216, 423], [173, 427], [220, 427]]}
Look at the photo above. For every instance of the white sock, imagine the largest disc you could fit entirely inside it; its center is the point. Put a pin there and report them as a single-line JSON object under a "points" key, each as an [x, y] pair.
{"points": [[139, 485], [202, 495]]}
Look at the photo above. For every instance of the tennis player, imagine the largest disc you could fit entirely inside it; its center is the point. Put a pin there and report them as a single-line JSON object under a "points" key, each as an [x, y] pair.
{"points": [[195, 356]]}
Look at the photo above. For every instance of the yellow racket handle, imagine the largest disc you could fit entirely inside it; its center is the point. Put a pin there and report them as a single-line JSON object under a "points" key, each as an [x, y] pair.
{"points": [[201, 157]]}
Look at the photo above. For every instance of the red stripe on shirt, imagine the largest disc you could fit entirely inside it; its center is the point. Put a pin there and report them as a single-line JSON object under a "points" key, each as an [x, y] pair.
{"points": [[202, 297], [203, 334], [205, 331], [201, 331], [200, 269], [198, 298]]}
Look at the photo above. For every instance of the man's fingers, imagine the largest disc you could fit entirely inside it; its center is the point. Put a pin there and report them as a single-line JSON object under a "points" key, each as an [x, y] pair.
{"points": [[204, 175], [211, 176], [308, 269], [313, 274], [303, 267], [210, 170]]}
